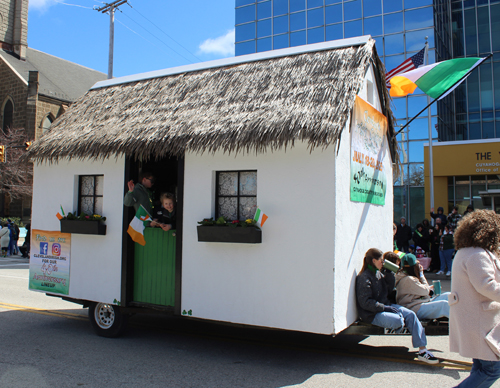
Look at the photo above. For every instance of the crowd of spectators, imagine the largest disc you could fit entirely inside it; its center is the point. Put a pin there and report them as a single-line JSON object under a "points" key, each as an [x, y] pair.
{"points": [[434, 238], [9, 239]]}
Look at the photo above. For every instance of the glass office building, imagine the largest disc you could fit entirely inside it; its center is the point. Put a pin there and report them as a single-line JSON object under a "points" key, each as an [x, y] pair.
{"points": [[400, 28]]}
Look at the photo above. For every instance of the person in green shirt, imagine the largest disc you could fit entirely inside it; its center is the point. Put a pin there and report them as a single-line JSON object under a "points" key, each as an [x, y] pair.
{"points": [[140, 193]]}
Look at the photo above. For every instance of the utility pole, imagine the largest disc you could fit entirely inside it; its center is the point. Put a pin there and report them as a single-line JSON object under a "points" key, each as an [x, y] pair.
{"points": [[111, 9]]}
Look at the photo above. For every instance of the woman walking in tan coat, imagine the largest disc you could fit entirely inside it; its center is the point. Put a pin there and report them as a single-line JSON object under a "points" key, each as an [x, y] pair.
{"points": [[475, 296]]}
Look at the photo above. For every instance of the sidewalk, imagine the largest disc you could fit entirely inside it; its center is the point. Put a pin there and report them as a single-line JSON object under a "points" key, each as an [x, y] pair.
{"points": [[19, 256]]}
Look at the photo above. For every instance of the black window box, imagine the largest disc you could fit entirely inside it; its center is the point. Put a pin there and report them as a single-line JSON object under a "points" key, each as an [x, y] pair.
{"points": [[83, 227], [248, 235]]}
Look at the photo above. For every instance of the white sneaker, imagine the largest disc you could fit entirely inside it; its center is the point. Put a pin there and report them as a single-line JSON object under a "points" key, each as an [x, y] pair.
{"points": [[439, 272], [427, 357], [448, 273]]}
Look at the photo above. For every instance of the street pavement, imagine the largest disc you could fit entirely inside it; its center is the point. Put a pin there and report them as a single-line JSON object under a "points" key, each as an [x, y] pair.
{"points": [[160, 351]]}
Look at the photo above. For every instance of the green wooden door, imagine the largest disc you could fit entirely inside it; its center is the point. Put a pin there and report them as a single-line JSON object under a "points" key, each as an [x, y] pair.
{"points": [[154, 268]]}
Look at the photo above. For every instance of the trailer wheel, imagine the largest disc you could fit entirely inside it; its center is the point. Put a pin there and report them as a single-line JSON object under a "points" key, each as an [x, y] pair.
{"points": [[107, 320]]}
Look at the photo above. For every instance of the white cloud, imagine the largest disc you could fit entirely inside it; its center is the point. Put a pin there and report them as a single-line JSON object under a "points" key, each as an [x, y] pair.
{"points": [[40, 4], [223, 45]]}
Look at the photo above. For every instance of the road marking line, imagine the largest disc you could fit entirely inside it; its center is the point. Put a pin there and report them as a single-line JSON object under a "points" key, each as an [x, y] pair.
{"points": [[36, 310], [13, 277]]}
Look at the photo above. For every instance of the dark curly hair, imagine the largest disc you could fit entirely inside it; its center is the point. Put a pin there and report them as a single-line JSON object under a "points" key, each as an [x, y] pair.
{"points": [[479, 229]]}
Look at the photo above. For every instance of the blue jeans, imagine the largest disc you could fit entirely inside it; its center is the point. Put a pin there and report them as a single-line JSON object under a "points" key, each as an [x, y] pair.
{"points": [[445, 256], [12, 247], [436, 308], [482, 375], [406, 318]]}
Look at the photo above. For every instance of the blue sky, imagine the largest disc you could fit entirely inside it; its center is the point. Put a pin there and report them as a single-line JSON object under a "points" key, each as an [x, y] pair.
{"points": [[149, 34]]}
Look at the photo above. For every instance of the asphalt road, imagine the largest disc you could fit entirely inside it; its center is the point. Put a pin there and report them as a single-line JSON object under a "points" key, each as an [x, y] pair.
{"points": [[47, 342]]}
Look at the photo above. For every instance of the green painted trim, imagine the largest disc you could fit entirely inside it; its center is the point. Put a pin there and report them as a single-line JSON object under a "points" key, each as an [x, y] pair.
{"points": [[154, 268]]}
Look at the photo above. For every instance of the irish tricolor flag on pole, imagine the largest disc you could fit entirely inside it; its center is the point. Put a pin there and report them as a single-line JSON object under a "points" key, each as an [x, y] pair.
{"points": [[260, 217], [137, 225], [436, 80]]}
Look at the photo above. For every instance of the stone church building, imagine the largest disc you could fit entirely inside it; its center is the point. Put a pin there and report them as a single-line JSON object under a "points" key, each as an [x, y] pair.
{"points": [[35, 87]]}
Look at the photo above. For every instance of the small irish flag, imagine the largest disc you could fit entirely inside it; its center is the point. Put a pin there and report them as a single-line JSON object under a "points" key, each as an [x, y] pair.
{"points": [[260, 217], [137, 225]]}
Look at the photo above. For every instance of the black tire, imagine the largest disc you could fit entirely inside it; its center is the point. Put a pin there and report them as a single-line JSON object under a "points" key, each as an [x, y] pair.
{"points": [[107, 320]]}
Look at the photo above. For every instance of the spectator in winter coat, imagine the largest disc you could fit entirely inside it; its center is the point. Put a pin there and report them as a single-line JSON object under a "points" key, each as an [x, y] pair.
{"points": [[403, 235], [446, 249], [475, 296], [13, 250], [453, 218], [435, 240], [4, 238], [470, 209], [419, 239], [439, 215]]}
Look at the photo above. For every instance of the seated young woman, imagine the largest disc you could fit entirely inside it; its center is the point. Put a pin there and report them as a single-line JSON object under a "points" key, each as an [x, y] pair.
{"points": [[414, 293], [372, 289]]}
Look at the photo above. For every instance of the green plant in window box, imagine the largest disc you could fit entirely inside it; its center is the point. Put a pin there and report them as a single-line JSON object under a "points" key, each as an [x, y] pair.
{"points": [[224, 230], [84, 217], [222, 221]]}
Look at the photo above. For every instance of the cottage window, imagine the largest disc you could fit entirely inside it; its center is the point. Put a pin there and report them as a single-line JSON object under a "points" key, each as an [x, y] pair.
{"points": [[236, 195], [90, 195]]}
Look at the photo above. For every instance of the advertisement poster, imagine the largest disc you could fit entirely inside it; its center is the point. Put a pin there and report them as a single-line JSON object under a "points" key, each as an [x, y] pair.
{"points": [[49, 261], [368, 133]]}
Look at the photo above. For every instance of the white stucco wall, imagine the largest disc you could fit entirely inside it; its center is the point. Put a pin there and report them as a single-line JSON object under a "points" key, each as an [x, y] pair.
{"points": [[302, 276], [287, 280], [358, 226], [95, 263]]}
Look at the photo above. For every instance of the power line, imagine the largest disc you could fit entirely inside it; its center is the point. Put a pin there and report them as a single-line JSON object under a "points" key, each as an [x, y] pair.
{"points": [[147, 40], [164, 32], [73, 5], [171, 48]]}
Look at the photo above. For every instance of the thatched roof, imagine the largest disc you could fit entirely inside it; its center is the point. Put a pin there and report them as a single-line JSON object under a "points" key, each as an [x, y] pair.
{"points": [[252, 106]]}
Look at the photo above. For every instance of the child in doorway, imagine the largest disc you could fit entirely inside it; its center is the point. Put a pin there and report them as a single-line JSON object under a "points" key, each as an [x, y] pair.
{"points": [[165, 217]]}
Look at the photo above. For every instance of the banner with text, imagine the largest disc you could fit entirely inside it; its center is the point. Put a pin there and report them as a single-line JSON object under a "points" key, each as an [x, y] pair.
{"points": [[368, 131], [49, 261]]}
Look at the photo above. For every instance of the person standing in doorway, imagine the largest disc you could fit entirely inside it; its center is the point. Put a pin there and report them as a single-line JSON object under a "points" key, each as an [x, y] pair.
{"points": [[140, 193]]}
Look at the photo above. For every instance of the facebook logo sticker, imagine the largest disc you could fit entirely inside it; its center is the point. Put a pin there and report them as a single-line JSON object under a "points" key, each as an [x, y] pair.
{"points": [[44, 248]]}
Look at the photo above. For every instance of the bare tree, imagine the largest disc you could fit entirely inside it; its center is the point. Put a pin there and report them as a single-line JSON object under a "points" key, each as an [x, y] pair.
{"points": [[417, 175], [16, 174]]}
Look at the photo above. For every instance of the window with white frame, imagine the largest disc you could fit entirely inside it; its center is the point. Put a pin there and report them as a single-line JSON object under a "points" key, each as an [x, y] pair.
{"points": [[236, 194]]}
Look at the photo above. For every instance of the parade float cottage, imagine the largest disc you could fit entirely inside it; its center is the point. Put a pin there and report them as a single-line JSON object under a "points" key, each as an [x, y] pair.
{"points": [[304, 133]]}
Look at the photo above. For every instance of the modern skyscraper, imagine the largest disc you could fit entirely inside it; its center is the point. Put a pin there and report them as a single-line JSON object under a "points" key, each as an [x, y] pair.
{"points": [[453, 29]]}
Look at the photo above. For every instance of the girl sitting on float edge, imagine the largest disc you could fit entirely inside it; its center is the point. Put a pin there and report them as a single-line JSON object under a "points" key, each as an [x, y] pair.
{"points": [[372, 289], [414, 293]]}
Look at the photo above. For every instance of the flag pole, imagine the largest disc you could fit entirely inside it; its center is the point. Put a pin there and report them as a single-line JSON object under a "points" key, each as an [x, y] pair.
{"points": [[429, 123]]}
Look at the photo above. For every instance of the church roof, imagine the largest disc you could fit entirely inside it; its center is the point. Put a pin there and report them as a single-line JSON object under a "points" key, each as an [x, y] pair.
{"points": [[58, 78]]}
